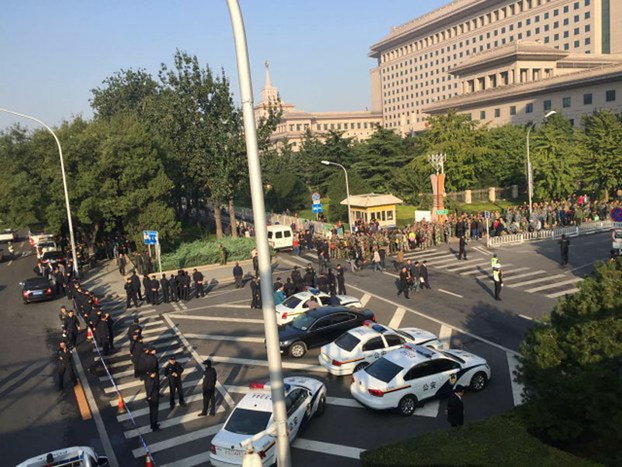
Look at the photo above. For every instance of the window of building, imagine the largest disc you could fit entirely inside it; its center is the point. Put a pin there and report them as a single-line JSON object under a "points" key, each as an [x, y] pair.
{"points": [[547, 105], [576, 18], [318, 127], [529, 108], [577, 44], [610, 96], [512, 110], [576, 5], [527, 21], [546, 15], [537, 31], [566, 46], [556, 12], [587, 15], [555, 24], [528, 35], [566, 21], [546, 27], [482, 114], [537, 19], [546, 40], [587, 99], [587, 28], [497, 113], [556, 37], [566, 9], [566, 102], [587, 2], [520, 36]]}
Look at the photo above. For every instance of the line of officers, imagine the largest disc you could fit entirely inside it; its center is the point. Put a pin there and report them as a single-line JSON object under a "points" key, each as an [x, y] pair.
{"points": [[164, 290]]}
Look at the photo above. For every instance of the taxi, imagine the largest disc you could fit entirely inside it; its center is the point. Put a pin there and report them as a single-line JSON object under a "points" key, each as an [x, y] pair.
{"points": [[304, 398], [298, 304], [359, 347], [403, 378]]}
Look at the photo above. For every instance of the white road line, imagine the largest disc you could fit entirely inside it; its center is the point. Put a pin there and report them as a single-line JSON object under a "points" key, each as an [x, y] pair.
{"points": [[223, 392], [397, 318], [197, 459], [164, 406], [121, 363], [477, 271], [364, 299], [451, 260], [216, 337], [183, 305], [552, 286], [505, 273], [166, 343], [526, 317], [481, 249], [430, 409], [445, 336], [9, 263], [122, 374], [434, 258], [563, 292], [125, 341], [140, 395], [175, 306], [178, 440], [517, 388], [166, 423], [534, 281], [470, 266], [254, 362], [328, 448], [450, 293], [460, 264], [527, 274], [225, 319], [139, 383], [241, 307]]}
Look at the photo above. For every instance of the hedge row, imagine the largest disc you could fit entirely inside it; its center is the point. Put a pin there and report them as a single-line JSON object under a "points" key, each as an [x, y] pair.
{"points": [[200, 252]]}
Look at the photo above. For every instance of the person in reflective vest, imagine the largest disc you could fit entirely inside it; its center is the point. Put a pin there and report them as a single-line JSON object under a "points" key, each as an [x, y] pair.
{"points": [[497, 277]]}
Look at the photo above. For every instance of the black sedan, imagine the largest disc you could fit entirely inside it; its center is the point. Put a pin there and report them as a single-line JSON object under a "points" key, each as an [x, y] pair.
{"points": [[53, 258], [37, 289], [318, 327]]}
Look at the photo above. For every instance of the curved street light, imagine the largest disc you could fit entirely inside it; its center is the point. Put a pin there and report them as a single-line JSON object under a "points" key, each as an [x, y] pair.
{"points": [[62, 168], [347, 190], [529, 169]]}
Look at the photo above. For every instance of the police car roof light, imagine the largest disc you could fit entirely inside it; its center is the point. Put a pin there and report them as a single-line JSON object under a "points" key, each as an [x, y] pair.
{"points": [[369, 323], [378, 327], [420, 350], [313, 290]]}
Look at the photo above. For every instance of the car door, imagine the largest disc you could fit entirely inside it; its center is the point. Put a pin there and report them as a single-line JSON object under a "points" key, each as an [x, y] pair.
{"points": [[447, 375], [320, 332], [343, 322], [298, 409], [374, 348], [424, 378]]}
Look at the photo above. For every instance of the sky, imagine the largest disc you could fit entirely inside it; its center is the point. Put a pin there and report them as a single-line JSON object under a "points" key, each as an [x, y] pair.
{"points": [[54, 52]]}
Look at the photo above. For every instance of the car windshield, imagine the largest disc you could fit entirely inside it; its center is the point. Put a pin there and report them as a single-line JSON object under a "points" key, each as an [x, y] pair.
{"points": [[303, 322], [291, 302], [347, 341], [383, 369], [46, 245], [247, 422]]}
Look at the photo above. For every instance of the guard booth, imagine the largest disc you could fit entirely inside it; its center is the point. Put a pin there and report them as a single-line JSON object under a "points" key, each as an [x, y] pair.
{"points": [[381, 208]]}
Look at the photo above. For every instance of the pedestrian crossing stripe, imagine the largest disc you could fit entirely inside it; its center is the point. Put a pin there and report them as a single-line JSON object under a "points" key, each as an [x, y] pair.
{"points": [[533, 281], [554, 285]]}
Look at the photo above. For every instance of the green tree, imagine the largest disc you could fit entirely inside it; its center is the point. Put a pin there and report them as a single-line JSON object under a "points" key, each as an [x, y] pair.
{"points": [[602, 140], [337, 192], [505, 164], [571, 367], [126, 91]]}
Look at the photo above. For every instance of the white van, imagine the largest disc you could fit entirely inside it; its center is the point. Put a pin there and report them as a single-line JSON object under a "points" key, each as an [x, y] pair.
{"points": [[280, 237], [77, 456]]}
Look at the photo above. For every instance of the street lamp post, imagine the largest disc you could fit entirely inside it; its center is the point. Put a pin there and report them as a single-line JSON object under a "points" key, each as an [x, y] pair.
{"points": [[529, 168], [62, 168], [261, 237], [347, 190]]}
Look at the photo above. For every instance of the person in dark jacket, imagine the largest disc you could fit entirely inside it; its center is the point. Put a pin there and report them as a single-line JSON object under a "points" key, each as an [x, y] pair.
{"points": [[403, 283], [136, 283], [209, 389], [134, 328], [110, 323], [238, 275], [149, 362], [341, 280], [71, 325], [172, 282], [152, 390], [290, 288], [564, 244], [462, 252], [65, 366], [165, 286], [424, 280], [173, 373], [147, 287], [137, 349], [297, 280], [197, 277], [102, 335], [130, 292], [455, 407], [155, 290], [122, 263], [255, 293]]}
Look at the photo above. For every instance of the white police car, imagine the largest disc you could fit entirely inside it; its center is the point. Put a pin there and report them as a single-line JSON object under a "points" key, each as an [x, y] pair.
{"points": [[76, 456], [298, 304], [304, 397], [404, 377], [357, 348]]}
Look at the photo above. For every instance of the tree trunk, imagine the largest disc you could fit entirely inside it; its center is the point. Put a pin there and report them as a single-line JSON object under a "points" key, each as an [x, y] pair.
{"points": [[217, 218], [232, 222], [606, 197]]}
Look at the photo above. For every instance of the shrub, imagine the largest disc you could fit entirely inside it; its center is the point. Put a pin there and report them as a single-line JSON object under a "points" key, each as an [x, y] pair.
{"points": [[201, 252]]}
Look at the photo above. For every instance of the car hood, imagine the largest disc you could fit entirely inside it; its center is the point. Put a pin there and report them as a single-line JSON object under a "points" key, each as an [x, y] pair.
{"points": [[469, 358]]}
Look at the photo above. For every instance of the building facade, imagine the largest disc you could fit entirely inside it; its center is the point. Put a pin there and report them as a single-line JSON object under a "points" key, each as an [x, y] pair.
{"points": [[295, 123], [501, 61]]}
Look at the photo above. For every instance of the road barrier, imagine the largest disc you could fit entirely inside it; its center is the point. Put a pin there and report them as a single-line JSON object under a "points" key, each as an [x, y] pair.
{"points": [[585, 228]]}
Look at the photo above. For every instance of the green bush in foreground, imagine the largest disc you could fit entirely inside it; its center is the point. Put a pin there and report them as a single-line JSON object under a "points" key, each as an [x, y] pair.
{"points": [[201, 252], [501, 440]]}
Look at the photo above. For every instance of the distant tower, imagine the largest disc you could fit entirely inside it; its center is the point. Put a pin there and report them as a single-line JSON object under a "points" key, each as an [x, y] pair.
{"points": [[269, 94]]}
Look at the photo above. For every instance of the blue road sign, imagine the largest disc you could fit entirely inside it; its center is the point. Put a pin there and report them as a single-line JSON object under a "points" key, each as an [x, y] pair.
{"points": [[150, 237], [616, 214], [316, 208], [316, 198]]}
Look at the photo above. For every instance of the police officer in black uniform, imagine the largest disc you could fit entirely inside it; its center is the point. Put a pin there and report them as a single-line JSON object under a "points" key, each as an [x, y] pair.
{"points": [[165, 286], [209, 388], [462, 251], [65, 366], [102, 335], [71, 326], [341, 280], [173, 373], [154, 285], [197, 277], [152, 390], [130, 292], [136, 283], [147, 287]]}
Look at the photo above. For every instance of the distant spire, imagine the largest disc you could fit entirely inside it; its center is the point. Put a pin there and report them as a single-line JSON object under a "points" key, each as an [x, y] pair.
{"points": [[268, 83], [269, 93]]}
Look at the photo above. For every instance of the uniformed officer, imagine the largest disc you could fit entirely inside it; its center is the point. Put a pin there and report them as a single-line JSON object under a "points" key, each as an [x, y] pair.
{"points": [[238, 274], [341, 280], [255, 293], [403, 284], [564, 244], [297, 280], [136, 284], [424, 279], [122, 263], [197, 277], [134, 328], [71, 326], [152, 390], [185, 286], [130, 292], [147, 287], [497, 277], [154, 287], [149, 362], [102, 335], [137, 350], [110, 323], [173, 373], [165, 286], [462, 244], [493, 261], [173, 288], [209, 387], [65, 365]]}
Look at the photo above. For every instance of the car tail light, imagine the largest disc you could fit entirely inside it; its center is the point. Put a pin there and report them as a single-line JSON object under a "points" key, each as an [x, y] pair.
{"points": [[25, 293], [337, 363], [257, 385], [48, 291], [284, 315], [375, 392], [212, 449]]}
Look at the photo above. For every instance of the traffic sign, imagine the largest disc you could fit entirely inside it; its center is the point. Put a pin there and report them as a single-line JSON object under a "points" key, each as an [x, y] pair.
{"points": [[616, 235], [317, 208], [150, 237], [616, 214], [315, 197], [441, 211], [486, 214]]}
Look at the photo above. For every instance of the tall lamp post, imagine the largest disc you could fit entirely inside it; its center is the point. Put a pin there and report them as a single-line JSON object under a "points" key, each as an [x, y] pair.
{"points": [[347, 190], [529, 168], [261, 237], [62, 168]]}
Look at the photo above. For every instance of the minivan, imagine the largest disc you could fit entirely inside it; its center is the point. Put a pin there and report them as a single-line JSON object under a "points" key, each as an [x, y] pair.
{"points": [[280, 237]]}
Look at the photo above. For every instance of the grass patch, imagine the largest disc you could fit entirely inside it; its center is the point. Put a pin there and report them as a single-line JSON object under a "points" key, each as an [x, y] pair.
{"points": [[499, 440], [201, 252], [474, 208]]}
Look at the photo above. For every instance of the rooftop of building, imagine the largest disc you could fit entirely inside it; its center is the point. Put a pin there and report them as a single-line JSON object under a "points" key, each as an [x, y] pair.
{"points": [[371, 200]]}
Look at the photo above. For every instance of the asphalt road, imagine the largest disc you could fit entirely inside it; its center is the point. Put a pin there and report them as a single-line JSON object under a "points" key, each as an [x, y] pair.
{"points": [[35, 417]]}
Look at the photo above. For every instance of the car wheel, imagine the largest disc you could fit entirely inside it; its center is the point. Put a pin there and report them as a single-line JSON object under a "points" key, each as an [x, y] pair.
{"points": [[298, 349], [478, 382], [360, 366], [407, 405], [321, 406]]}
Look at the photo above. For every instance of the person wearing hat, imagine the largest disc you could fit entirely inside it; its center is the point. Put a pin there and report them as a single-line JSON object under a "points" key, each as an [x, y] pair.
{"points": [[209, 388], [497, 277], [173, 373], [71, 325], [455, 407], [152, 391], [149, 362], [493, 261], [130, 292]]}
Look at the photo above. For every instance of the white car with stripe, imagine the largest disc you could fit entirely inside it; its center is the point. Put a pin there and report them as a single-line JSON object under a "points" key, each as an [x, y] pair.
{"points": [[304, 398], [404, 377], [357, 348], [298, 304]]}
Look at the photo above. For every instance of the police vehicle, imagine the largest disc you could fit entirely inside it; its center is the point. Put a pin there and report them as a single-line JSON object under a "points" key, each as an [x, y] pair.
{"points": [[298, 304], [358, 347], [77, 456], [406, 376], [304, 398]]}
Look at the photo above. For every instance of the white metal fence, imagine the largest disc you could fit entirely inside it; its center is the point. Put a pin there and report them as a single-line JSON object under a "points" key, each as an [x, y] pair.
{"points": [[571, 231]]}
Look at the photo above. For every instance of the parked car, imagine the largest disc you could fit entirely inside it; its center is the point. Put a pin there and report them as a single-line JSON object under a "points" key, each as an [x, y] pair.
{"points": [[77, 456], [43, 246], [280, 237], [318, 327], [53, 257], [7, 235], [36, 289], [298, 304]]}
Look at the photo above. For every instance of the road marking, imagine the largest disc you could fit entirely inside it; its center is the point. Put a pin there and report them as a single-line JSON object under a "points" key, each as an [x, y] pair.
{"points": [[192, 416], [183, 305], [164, 406], [452, 260], [328, 448], [364, 299], [83, 405], [217, 318], [121, 363], [197, 459], [517, 388], [445, 336], [167, 343], [122, 374], [139, 383], [9, 263], [216, 337], [242, 307], [477, 271], [527, 274], [552, 286], [450, 293], [254, 362], [140, 395], [178, 440], [526, 317], [464, 268], [563, 292], [505, 273], [125, 340], [397, 318], [461, 264], [481, 249], [534, 281], [434, 258], [430, 409], [223, 392]]}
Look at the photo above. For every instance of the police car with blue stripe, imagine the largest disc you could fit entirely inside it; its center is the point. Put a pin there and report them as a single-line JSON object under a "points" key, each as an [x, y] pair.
{"points": [[403, 378], [304, 398]]}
